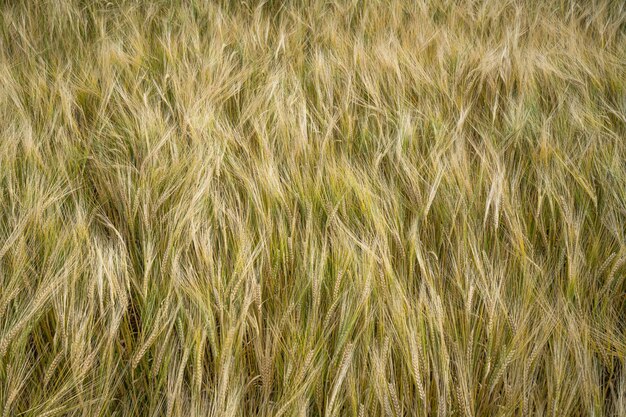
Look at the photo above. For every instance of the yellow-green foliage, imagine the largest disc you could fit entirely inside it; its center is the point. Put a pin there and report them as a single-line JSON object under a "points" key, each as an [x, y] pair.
{"points": [[313, 208]]}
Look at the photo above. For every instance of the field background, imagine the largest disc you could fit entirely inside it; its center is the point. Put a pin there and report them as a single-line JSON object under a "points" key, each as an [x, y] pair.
{"points": [[312, 208]]}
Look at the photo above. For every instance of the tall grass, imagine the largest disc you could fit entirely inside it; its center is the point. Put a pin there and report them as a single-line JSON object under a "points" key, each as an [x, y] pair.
{"points": [[312, 208]]}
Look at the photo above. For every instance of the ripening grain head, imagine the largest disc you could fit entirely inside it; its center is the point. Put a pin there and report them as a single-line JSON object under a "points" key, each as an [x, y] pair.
{"points": [[312, 208]]}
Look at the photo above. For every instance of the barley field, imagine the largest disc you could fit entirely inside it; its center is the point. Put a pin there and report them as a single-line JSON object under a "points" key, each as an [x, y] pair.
{"points": [[312, 208]]}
